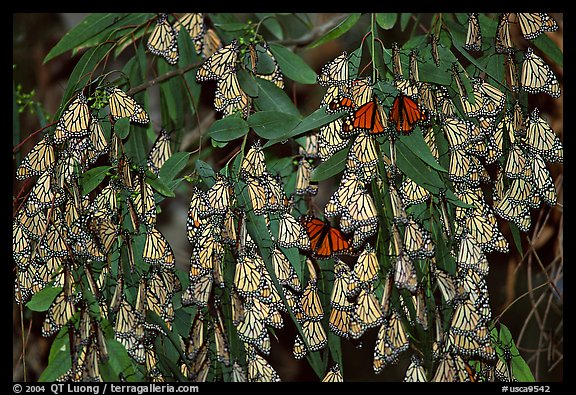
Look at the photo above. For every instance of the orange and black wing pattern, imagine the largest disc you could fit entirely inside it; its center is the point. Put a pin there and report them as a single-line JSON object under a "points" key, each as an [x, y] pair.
{"points": [[325, 241], [369, 117], [405, 113]]}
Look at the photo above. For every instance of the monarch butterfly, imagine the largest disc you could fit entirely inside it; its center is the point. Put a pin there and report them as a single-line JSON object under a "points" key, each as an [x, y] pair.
{"points": [[503, 40], [485, 231], [222, 349], [325, 241], [45, 193], [310, 148], [314, 335], [451, 368], [160, 152], [542, 180], [342, 279], [434, 41], [541, 139], [417, 240], [299, 350], [247, 277], [122, 106], [392, 340], [511, 209], [252, 329], [303, 184], [457, 132], [415, 371], [405, 113], [352, 95], [253, 164], [39, 159], [412, 193], [229, 96], [105, 232], [470, 256], [330, 140], [195, 26], [61, 310], [163, 41], [473, 34], [145, 203], [292, 233], [199, 289], [334, 375], [362, 210], [396, 63], [284, 270], [335, 72], [259, 370], [405, 273], [310, 302], [75, 121], [532, 24], [219, 62], [276, 75], [537, 76], [367, 266], [368, 312], [157, 250], [218, 196], [211, 44], [160, 287], [369, 116]]}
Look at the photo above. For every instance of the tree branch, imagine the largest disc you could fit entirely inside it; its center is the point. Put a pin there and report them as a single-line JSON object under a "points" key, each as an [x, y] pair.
{"points": [[163, 77], [313, 34]]}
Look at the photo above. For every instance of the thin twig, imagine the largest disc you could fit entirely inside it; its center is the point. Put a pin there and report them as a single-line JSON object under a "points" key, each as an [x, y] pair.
{"points": [[162, 78], [313, 34]]}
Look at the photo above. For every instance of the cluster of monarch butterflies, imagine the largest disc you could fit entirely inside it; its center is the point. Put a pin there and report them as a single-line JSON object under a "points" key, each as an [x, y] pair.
{"points": [[56, 228], [163, 40], [223, 65], [58, 234]]}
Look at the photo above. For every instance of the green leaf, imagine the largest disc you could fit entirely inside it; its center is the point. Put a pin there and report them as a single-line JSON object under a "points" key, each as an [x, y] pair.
{"points": [[520, 369], [272, 124], [247, 82], [122, 127], [312, 121], [59, 359], [42, 300], [231, 26], [334, 165], [272, 98], [92, 178], [516, 237], [160, 186], [206, 172], [171, 100], [549, 49], [415, 142], [83, 71], [271, 24], [187, 55], [174, 165], [292, 65], [228, 129], [338, 30], [417, 170], [386, 20], [90, 26], [404, 19], [118, 363]]}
